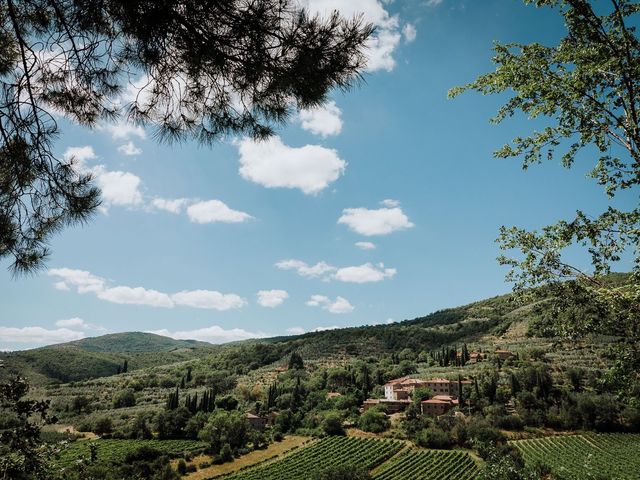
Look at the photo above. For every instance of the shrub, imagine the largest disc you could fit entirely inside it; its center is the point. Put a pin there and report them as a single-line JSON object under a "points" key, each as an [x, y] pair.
{"points": [[226, 454], [434, 438], [509, 422], [332, 425], [103, 426], [374, 421], [124, 398], [181, 467]]}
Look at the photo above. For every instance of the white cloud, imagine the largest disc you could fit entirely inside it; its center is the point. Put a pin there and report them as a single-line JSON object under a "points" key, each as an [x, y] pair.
{"points": [[365, 245], [339, 305], [78, 156], [371, 10], [364, 273], [213, 334], [324, 329], [381, 221], [209, 299], [324, 120], [381, 48], [124, 189], [38, 335], [433, 3], [317, 300], [79, 323], [86, 282], [305, 270], [390, 203], [409, 33], [173, 206], [273, 164], [272, 298], [383, 43], [355, 274], [296, 330], [136, 296], [61, 286], [118, 188], [123, 130], [129, 149], [72, 322], [211, 211]]}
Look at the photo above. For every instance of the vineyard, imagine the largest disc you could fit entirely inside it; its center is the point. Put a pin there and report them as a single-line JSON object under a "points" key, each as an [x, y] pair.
{"points": [[364, 452], [615, 456], [429, 465], [117, 450]]}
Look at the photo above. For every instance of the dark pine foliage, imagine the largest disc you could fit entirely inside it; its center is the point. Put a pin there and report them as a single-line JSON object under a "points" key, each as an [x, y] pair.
{"points": [[199, 70]]}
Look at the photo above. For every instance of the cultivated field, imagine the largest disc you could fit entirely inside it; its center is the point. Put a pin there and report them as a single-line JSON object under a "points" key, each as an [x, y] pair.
{"points": [[362, 452], [117, 450], [615, 456], [428, 465]]}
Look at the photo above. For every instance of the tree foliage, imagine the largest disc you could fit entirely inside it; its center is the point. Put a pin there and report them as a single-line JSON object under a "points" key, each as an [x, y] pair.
{"points": [[191, 69], [587, 90], [22, 454]]}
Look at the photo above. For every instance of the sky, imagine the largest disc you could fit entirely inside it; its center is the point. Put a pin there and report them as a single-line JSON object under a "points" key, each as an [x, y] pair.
{"points": [[380, 206]]}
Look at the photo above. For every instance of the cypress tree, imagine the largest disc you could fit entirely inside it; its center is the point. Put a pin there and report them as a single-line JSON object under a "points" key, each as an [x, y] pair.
{"points": [[515, 385], [212, 400]]}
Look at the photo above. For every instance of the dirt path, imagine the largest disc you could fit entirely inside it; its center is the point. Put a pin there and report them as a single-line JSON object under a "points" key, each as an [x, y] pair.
{"points": [[276, 449], [71, 429]]}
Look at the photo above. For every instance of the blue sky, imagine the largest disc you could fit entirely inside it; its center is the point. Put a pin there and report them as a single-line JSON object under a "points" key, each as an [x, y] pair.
{"points": [[246, 239]]}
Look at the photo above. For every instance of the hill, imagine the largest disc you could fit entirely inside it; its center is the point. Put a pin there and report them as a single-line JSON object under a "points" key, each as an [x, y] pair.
{"points": [[135, 342], [100, 356], [505, 316]]}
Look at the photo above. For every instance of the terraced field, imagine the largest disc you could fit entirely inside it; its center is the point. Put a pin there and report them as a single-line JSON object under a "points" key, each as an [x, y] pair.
{"points": [[615, 456], [117, 450], [429, 465], [364, 452]]}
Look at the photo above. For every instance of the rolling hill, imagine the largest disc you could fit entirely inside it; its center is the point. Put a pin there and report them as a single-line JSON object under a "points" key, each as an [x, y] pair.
{"points": [[100, 356], [499, 316]]}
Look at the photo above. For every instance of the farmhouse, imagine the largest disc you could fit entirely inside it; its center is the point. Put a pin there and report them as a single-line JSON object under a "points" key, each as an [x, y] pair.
{"points": [[398, 393], [475, 357], [504, 354], [442, 386], [438, 405], [259, 423], [402, 388]]}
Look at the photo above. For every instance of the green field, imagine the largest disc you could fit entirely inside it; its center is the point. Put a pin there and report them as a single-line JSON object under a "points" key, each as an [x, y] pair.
{"points": [[117, 450], [363, 452], [429, 465], [615, 456]]}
